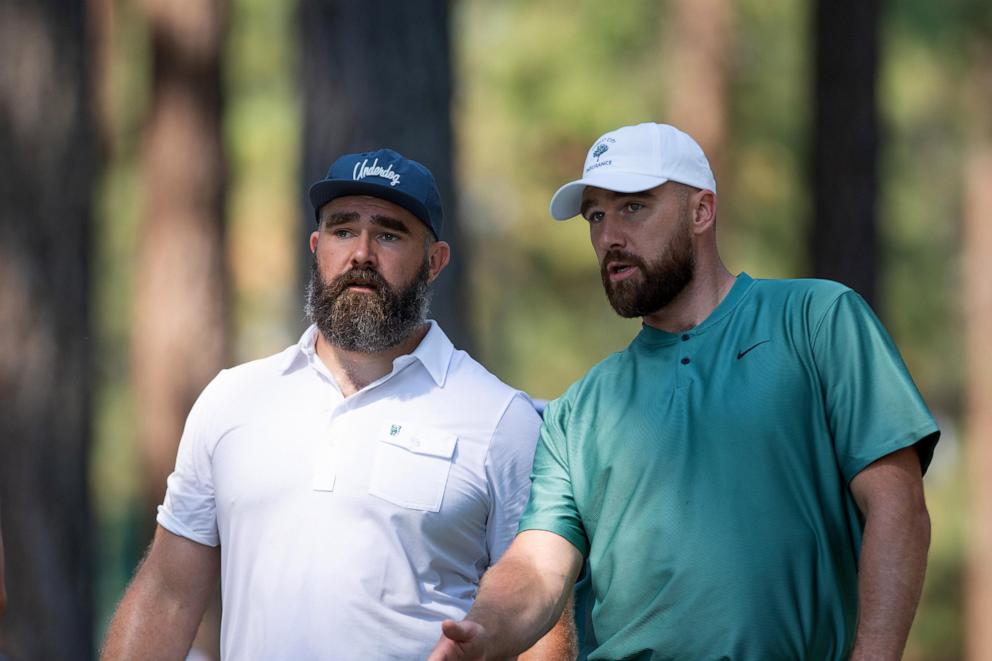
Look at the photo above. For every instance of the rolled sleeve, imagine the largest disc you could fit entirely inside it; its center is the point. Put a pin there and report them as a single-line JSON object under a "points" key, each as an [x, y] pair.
{"points": [[189, 508]]}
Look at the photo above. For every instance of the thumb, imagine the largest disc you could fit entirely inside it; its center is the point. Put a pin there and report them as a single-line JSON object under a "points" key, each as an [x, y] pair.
{"points": [[460, 632]]}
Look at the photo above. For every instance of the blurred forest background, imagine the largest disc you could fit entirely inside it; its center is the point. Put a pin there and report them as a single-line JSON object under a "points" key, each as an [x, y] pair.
{"points": [[154, 157]]}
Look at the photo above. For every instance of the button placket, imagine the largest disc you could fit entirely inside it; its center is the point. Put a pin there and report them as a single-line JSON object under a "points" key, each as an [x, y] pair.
{"points": [[326, 456]]}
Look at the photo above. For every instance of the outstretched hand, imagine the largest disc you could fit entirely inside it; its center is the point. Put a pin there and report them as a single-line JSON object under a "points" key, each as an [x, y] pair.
{"points": [[460, 641]]}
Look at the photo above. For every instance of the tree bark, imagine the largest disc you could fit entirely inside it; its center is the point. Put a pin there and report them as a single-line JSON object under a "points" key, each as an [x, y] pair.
{"points": [[181, 290], [699, 38], [378, 74], [977, 250], [844, 236], [180, 337], [49, 158]]}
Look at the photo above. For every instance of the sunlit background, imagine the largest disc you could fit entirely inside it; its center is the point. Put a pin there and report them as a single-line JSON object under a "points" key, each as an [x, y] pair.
{"points": [[179, 288]]}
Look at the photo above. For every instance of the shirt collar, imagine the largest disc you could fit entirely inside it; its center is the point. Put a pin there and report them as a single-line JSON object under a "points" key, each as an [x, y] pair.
{"points": [[655, 336], [434, 352]]}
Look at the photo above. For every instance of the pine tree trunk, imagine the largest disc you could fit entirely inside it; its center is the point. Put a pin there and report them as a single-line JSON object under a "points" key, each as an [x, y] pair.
{"points": [[48, 159], [699, 37], [378, 74], [844, 237], [180, 325], [180, 336]]}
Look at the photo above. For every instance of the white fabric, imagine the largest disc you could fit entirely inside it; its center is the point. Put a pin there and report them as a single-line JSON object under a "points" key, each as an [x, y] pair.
{"points": [[350, 527], [633, 159]]}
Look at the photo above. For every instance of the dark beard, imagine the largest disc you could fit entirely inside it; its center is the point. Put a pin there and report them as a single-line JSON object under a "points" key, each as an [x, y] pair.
{"points": [[367, 322], [663, 279]]}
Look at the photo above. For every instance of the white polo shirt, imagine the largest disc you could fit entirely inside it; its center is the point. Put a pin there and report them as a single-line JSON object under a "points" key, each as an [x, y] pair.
{"points": [[349, 527]]}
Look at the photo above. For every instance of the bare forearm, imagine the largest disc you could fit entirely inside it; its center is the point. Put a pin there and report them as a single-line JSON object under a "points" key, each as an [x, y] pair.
{"points": [[559, 644], [520, 598], [147, 625], [891, 569], [161, 610], [518, 605]]}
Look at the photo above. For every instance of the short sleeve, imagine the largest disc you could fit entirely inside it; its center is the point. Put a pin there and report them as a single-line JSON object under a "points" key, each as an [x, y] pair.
{"points": [[872, 404], [189, 508], [508, 466], [552, 505]]}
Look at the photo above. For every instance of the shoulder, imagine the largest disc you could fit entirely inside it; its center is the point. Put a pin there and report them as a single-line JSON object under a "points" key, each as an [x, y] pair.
{"points": [[233, 383], [806, 300], [469, 380], [802, 289], [478, 389], [599, 380]]}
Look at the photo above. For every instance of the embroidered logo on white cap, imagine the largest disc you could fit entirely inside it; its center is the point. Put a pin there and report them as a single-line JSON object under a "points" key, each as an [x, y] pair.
{"points": [[633, 159]]}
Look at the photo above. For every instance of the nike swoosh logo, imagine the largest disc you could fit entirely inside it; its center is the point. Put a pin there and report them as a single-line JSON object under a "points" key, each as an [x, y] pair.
{"points": [[751, 348]]}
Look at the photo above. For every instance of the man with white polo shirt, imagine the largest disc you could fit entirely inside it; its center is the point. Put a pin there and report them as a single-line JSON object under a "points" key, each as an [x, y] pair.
{"points": [[744, 480], [352, 489]]}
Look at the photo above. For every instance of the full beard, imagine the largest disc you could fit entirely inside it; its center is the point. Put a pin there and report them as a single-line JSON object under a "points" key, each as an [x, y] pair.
{"points": [[367, 322], [662, 280]]}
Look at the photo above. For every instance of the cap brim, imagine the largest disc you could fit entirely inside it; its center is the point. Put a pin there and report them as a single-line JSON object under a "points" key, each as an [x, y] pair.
{"points": [[567, 201], [324, 191]]}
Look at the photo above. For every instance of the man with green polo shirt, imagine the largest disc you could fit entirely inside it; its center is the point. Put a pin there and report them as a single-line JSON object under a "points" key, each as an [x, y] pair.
{"points": [[744, 480]]}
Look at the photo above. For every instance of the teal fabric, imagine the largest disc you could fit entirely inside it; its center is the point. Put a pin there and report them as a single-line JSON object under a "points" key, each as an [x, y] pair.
{"points": [[705, 475]]}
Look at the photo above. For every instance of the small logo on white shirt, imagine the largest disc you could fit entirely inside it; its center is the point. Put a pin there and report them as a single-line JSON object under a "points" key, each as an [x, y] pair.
{"points": [[394, 430], [363, 170]]}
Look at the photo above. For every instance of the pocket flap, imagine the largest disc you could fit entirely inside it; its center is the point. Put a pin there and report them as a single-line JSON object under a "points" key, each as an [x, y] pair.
{"points": [[425, 442]]}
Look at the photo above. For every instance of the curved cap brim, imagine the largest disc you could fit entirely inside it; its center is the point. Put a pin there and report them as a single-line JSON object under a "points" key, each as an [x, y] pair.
{"points": [[324, 191], [567, 200]]}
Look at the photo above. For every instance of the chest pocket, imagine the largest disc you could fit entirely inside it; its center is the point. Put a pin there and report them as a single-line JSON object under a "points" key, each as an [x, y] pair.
{"points": [[411, 467]]}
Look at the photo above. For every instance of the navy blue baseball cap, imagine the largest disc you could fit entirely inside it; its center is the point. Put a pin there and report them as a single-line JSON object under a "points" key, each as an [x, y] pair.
{"points": [[385, 174]]}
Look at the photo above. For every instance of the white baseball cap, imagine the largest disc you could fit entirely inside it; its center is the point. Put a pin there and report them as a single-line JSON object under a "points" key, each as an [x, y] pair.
{"points": [[633, 159]]}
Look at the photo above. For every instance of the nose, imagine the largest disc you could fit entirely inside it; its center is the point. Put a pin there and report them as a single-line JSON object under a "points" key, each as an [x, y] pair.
{"points": [[609, 233], [363, 253]]}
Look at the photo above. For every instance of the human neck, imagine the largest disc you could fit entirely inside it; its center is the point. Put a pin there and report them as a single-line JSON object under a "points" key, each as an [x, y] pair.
{"points": [[353, 370], [694, 303]]}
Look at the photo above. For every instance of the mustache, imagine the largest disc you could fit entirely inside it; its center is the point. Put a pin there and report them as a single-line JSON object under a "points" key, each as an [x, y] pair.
{"points": [[617, 255], [365, 277]]}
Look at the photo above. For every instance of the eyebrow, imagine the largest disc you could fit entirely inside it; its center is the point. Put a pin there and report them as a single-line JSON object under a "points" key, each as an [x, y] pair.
{"points": [[390, 223], [387, 222], [338, 218], [614, 195]]}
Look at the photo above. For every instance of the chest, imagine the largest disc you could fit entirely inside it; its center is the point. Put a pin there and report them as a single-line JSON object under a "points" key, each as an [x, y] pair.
{"points": [[373, 461], [717, 413]]}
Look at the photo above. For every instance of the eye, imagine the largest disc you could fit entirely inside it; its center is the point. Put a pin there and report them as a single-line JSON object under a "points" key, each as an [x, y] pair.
{"points": [[389, 237], [633, 207], [340, 233], [594, 216]]}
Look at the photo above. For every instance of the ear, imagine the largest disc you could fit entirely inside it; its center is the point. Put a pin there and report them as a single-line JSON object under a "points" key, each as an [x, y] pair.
{"points": [[702, 205], [314, 235], [438, 256]]}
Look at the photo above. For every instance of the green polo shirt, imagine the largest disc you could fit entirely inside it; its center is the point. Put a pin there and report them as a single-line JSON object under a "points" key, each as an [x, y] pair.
{"points": [[704, 475]]}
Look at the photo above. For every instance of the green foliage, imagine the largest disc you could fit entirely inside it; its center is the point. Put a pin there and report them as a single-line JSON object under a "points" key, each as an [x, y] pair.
{"points": [[919, 210], [763, 202], [262, 129]]}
